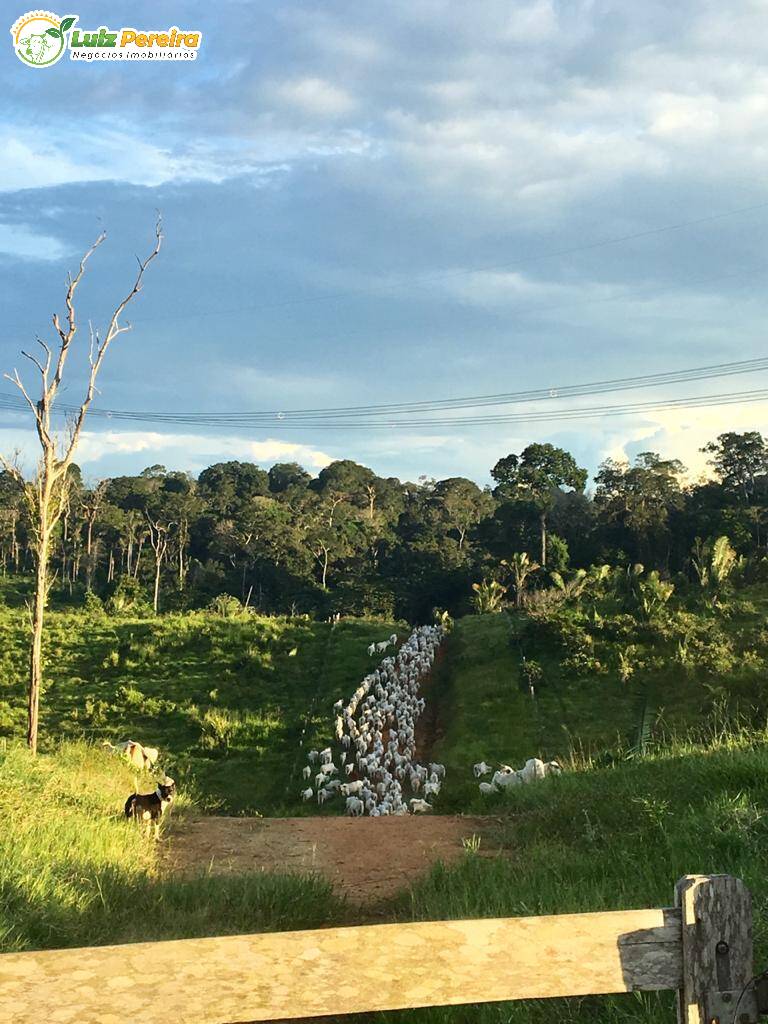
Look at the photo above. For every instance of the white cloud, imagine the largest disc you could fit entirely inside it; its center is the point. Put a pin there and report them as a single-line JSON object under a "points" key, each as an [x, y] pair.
{"points": [[179, 451], [531, 23], [109, 154], [123, 155], [682, 433], [315, 96], [19, 241]]}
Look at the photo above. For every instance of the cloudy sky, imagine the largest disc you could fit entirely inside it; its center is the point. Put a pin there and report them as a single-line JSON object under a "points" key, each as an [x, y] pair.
{"points": [[376, 203]]}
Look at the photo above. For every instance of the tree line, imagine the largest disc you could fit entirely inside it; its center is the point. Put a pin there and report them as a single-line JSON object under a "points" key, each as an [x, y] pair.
{"points": [[348, 541]]}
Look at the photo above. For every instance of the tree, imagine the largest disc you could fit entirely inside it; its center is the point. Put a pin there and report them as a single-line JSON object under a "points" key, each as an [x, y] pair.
{"points": [[739, 459], [11, 514], [520, 567], [228, 486], [636, 501], [286, 475], [488, 596], [46, 494], [91, 503], [459, 504], [536, 476], [713, 564]]}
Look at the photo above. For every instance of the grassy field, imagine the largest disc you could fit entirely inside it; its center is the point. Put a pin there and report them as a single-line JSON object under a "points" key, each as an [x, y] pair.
{"points": [[74, 872], [591, 714], [661, 725], [227, 701], [613, 838]]}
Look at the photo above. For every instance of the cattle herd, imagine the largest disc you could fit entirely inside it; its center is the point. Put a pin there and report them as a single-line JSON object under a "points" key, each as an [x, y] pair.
{"points": [[504, 777], [372, 761]]}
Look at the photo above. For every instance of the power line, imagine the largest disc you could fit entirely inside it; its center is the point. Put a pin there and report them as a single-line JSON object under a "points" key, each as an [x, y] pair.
{"points": [[426, 279], [549, 394], [731, 398], [535, 416]]}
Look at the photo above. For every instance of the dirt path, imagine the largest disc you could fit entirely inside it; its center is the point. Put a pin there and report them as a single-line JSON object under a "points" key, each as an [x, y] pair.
{"points": [[367, 859]]}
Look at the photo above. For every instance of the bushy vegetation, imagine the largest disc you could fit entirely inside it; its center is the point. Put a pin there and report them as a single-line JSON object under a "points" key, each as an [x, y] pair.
{"points": [[597, 676]]}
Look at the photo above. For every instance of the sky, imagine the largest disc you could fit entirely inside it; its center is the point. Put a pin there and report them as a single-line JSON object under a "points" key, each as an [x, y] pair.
{"points": [[369, 203]]}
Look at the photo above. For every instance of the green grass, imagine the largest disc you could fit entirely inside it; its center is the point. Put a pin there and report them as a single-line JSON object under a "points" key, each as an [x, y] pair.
{"points": [[74, 872], [486, 713], [610, 839], [228, 702]]}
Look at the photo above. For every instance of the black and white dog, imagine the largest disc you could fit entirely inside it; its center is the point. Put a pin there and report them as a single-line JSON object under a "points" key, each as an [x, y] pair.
{"points": [[150, 807]]}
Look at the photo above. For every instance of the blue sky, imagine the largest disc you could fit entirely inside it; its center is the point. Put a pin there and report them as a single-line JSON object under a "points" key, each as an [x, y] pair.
{"points": [[361, 205]]}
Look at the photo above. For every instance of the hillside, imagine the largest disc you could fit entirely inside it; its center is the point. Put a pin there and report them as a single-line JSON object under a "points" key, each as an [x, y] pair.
{"points": [[225, 699], [660, 721], [72, 872], [599, 838], [608, 686]]}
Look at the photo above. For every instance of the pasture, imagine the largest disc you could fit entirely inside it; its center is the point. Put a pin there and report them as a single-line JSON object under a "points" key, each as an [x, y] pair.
{"points": [[226, 700], [647, 795]]}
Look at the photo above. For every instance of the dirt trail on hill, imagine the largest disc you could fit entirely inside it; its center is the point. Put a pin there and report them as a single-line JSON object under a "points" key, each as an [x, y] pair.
{"points": [[366, 859]]}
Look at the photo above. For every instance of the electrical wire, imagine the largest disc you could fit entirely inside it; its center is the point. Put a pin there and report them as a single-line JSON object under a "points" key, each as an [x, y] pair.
{"points": [[535, 416], [361, 415], [426, 279]]}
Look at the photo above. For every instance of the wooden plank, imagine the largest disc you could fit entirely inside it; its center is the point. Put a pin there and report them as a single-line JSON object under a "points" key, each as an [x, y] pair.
{"points": [[717, 951], [344, 970]]}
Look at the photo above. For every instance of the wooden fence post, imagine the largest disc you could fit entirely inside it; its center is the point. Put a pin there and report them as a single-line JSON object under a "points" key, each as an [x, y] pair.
{"points": [[717, 951]]}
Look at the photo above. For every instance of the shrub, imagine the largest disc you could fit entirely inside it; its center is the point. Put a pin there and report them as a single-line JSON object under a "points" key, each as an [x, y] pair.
{"points": [[227, 606], [488, 596], [93, 605], [533, 674], [128, 596]]}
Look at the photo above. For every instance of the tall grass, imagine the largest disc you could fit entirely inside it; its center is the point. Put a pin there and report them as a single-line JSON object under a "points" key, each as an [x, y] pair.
{"points": [[74, 872], [607, 839]]}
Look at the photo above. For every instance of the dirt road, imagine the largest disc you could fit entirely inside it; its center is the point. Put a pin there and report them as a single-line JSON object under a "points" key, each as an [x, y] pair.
{"points": [[367, 859]]}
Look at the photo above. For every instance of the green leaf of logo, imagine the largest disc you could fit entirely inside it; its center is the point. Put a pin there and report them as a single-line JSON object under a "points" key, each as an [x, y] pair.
{"points": [[67, 23], [53, 32]]}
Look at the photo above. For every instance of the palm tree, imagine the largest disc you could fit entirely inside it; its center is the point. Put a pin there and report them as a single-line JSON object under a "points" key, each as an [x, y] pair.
{"points": [[521, 566]]}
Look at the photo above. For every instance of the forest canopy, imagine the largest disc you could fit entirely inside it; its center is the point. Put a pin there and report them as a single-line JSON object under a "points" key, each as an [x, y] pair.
{"points": [[351, 542]]}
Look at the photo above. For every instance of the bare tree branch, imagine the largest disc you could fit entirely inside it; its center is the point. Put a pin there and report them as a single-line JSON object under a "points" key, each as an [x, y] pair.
{"points": [[47, 493], [113, 330], [38, 364], [16, 379], [68, 335]]}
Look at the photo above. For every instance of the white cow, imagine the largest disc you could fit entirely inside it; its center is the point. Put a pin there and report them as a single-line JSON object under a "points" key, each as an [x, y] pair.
{"points": [[419, 806], [354, 807]]}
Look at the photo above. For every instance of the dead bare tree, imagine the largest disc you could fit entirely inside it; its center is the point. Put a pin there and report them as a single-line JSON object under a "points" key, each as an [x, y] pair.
{"points": [[91, 506], [158, 539], [46, 494]]}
